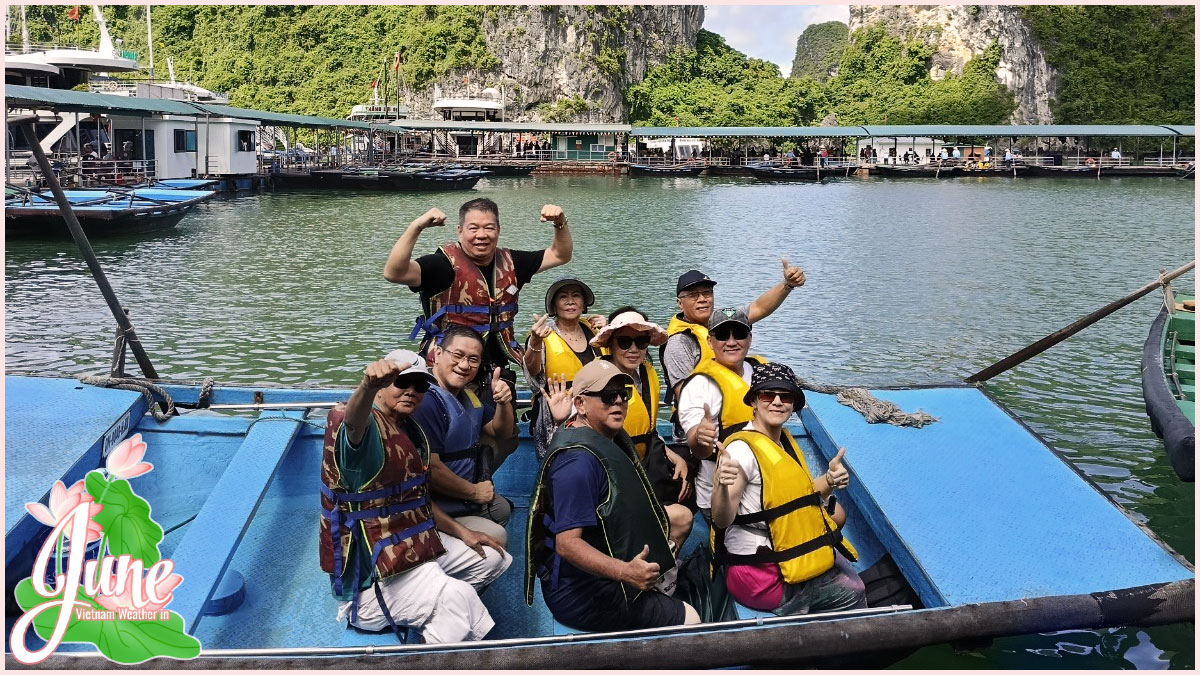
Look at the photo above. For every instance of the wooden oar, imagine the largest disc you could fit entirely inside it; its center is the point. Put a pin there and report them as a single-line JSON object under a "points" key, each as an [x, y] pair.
{"points": [[1064, 333]]}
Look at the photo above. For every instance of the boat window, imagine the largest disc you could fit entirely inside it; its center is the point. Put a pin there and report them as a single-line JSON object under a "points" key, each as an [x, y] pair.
{"points": [[185, 140], [245, 140]]}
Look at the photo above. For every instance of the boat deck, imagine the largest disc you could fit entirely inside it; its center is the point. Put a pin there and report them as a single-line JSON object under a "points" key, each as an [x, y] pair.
{"points": [[973, 508], [982, 506]]}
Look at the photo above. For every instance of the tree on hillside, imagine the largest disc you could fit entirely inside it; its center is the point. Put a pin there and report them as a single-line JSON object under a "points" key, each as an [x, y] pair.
{"points": [[1121, 64], [818, 50]]}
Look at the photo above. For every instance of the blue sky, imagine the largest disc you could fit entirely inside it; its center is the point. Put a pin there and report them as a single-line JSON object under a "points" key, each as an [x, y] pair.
{"points": [[769, 32]]}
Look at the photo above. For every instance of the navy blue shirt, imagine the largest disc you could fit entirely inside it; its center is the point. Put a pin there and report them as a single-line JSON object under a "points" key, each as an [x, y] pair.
{"points": [[434, 420], [577, 484]]}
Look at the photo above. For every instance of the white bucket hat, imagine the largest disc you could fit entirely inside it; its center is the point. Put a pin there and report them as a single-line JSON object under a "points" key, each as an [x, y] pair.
{"points": [[657, 335]]}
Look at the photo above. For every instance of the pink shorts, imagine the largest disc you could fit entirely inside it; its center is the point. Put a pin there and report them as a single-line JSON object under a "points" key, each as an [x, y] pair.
{"points": [[755, 586]]}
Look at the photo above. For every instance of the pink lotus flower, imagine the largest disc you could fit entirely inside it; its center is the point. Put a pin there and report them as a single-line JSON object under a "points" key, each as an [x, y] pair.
{"points": [[62, 502], [124, 598], [125, 461]]}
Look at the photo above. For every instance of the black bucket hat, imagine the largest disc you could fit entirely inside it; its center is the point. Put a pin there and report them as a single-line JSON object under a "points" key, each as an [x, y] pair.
{"points": [[589, 298], [776, 377]]}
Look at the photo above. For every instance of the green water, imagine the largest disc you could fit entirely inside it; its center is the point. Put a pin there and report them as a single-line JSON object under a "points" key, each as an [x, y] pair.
{"points": [[909, 282]]}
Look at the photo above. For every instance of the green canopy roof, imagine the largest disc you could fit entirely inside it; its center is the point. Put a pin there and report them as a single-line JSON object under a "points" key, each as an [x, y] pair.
{"points": [[516, 127], [748, 132], [279, 119], [1000, 130], [923, 130], [65, 100]]}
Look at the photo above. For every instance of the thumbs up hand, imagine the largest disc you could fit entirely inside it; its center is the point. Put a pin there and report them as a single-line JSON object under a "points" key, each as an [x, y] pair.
{"points": [[837, 476], [793, 277], [706, 431], [501, 393], [727, 470], [641, 573]]}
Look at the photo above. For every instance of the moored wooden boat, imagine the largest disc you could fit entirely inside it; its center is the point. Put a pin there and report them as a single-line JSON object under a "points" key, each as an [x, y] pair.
{"points": [[665, 170], [918, 171], [232, 489], [784, 173], [992, 171], [1169, 382], [101, 212]]}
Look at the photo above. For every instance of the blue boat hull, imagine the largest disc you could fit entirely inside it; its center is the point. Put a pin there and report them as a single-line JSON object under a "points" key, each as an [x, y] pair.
{"points": [[237, 493]]}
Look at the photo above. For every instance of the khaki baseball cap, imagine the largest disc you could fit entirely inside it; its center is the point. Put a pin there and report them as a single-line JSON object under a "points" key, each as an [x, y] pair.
{"points": [[595, 376]]}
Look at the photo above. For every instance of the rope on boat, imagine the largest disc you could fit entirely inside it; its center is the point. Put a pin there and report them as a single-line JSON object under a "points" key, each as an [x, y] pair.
{"points": [[874, 410], [144, 387], [206, 389]]}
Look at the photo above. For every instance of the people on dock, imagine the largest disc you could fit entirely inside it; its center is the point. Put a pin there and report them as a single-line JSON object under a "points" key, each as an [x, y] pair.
{"points": [[598, 538], [711, 403], [396, 560], [456, 422], [557, 347], [472, 281], [1116, 155], [761, 469], [627, 338], [687, 334]]}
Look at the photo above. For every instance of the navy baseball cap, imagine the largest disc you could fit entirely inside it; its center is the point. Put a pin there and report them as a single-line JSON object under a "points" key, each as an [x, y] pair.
{"points": [[692, 278]]}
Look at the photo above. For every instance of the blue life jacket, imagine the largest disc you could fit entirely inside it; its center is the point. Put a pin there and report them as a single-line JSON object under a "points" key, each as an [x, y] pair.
{"points": [[461, 451]]}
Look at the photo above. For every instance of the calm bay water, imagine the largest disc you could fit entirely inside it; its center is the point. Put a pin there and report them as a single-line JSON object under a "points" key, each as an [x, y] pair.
{"points": [[909, 282]]}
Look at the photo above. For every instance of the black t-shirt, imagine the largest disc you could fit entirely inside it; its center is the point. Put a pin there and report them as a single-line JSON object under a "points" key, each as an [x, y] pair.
{"points": [[437, 274]]}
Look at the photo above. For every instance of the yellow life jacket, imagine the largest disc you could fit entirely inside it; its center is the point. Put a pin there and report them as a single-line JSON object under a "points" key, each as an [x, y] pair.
{"points": [[803, 535], [641, 420], [560, 359], [734, 413], [680, 325]]}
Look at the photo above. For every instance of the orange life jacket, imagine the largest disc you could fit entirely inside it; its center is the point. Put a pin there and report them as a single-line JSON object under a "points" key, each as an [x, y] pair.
{"points": [[468, 302]]}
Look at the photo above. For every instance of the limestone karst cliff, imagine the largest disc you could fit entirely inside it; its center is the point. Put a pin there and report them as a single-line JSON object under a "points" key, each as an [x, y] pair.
{"points": [[959, 32], [571, 61]]}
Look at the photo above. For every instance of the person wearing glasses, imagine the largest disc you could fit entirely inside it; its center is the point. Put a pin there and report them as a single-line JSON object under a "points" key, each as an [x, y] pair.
{"points": [[455, 419], [395, 560], [687, 334], [627, 338], [557, 347], [762, 469], [472, 281], [710, 400], [598, 538]]}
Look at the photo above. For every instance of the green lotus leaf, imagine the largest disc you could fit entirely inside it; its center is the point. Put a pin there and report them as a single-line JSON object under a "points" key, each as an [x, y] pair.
{"points": [[43, 624], [137, 641], [125, 519]]}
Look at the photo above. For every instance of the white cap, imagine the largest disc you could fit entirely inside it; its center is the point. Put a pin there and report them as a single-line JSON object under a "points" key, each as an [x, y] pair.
{"points": [[404, 356]]}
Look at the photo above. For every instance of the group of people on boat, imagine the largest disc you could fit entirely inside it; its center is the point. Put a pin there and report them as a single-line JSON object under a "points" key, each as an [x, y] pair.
{"points": [[412, 528]]}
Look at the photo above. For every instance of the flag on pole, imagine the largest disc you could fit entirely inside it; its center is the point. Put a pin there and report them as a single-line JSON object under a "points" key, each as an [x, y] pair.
{"points": [[374, 83], [73, 13], [396, 66], [466, 79]]}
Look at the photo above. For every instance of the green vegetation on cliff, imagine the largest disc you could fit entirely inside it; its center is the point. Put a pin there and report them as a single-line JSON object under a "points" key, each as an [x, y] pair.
{"points": [[881, 79], [1120, 64], [312, 59], [818, 49], [716, 85]]}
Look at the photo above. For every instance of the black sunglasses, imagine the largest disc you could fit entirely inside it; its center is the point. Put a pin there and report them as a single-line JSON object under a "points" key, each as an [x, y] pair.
{"points": [[612, 396], [627, 341], [768, 396], [725, 330], [417, 383]]}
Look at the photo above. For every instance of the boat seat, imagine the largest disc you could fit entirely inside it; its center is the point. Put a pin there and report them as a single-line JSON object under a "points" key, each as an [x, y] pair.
{"points": [[212, 538], [744, 612], [560, 629], [1185, 352]]}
